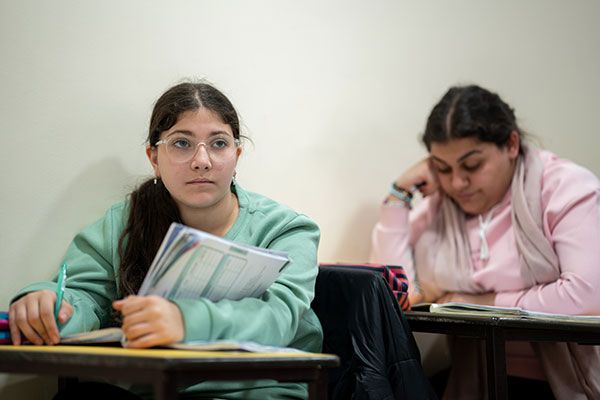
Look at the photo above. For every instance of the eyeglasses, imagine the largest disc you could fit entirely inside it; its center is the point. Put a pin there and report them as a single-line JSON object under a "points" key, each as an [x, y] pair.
{"points": [[182, 149]]}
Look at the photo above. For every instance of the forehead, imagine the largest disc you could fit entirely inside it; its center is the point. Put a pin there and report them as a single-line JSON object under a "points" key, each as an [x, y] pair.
{"points": [[200, 121], [454, 149]]}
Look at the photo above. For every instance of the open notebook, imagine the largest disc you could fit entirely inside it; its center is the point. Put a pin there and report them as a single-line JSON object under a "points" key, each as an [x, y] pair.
{"points": [[457, 308], [114, 336]]}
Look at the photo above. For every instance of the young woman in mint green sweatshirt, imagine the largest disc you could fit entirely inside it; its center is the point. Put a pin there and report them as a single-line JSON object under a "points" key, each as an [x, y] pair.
{"points": [[193, 146]]}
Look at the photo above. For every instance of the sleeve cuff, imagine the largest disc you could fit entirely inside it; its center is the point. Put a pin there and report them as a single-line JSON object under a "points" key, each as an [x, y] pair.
{"points": [[196, 319], [34, 287], [507, 299]]}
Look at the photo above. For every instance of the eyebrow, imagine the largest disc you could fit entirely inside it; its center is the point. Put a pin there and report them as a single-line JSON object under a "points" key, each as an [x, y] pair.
{"points": [[190, 133], [461, 158]]}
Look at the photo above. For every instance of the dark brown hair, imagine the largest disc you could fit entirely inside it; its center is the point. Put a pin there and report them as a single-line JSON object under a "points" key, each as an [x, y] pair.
{"points": [[151, 207], [470, 111]]}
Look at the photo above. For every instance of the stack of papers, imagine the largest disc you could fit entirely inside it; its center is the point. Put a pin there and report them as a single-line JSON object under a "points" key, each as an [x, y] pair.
{"points": [[192, 264], [114, 336]]}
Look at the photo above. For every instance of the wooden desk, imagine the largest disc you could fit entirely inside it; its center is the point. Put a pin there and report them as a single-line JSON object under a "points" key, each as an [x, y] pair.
{"points": [[163, 369], [495, 331]]}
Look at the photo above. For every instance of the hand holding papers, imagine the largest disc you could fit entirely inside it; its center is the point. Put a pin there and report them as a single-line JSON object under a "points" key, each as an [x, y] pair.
{"points": [[193, 264]]}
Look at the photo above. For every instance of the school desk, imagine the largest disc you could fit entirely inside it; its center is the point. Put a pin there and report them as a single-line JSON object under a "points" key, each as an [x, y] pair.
{"points": [[495, 331], [164, 369]]}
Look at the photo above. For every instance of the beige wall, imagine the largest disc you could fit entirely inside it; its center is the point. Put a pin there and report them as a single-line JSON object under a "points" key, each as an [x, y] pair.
{"points": [[333, 93]]}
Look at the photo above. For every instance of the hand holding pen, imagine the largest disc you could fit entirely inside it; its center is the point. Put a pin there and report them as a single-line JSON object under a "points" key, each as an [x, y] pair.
{"points": [[61, 283], [34, 316]]}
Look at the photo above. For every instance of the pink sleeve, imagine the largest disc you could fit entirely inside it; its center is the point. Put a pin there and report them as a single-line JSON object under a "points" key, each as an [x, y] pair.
{"points": [[570, 199], [395, 233]]}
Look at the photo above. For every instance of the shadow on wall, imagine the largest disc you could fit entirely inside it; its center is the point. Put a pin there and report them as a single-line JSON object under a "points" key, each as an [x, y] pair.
{"points": [[355, 242], [28, 387], [84, 201]]}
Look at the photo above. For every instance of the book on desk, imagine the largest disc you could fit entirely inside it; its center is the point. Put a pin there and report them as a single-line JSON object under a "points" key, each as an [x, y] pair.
{"points": [[458, 308], [115, 337]]}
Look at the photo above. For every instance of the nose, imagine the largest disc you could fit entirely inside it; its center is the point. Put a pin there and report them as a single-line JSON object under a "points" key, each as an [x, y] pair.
{"points": [[201, 159], [459, 181]]}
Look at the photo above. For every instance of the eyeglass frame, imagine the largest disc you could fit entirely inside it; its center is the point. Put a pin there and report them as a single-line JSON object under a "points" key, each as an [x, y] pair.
{"points": [[236, 143]]}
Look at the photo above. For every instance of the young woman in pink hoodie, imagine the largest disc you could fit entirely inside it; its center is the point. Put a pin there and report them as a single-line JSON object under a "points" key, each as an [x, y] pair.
{"points": [[502, 223]]}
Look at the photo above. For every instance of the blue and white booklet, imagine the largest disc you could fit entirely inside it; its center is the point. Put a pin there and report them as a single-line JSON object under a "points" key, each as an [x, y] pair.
{"points": [[192, 264]]}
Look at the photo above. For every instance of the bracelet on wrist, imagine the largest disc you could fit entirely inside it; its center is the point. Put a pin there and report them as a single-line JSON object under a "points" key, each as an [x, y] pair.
{"points": [[396, 202], [401, 194]]}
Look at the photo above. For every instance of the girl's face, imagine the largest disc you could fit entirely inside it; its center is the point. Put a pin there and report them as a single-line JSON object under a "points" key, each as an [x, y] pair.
{"points": [[475, 174], [204, 180]]}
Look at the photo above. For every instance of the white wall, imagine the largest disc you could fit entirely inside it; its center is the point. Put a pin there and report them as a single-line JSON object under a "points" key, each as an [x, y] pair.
{"points": [[333, 93]]}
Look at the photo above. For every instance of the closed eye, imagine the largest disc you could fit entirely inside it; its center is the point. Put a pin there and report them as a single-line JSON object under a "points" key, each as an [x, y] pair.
{"points": [[443, 170], [472, 168]]}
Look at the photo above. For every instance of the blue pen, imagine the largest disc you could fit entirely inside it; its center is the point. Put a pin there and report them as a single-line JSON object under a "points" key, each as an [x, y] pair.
{"points": [[60, 289]]}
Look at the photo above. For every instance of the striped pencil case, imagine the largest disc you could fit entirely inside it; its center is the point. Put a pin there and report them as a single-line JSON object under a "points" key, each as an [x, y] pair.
{"points": [[4, 329]]}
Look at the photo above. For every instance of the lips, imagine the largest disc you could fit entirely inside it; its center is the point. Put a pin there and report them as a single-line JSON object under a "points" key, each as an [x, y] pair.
{"points": [[465, 196], [199, 181]]}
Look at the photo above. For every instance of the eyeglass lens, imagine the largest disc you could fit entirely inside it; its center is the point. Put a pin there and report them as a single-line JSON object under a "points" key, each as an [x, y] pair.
{"points": [[183, 149]]}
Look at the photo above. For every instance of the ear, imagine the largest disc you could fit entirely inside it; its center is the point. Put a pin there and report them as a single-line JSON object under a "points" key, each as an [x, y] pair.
{"points": [[152, 154], [238, 153], [513, 145]]}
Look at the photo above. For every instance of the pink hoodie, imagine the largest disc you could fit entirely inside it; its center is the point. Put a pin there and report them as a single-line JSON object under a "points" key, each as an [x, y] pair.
{"points": [[571, 222]]}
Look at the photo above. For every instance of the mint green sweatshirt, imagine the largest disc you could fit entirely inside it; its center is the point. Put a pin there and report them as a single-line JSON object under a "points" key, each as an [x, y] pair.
{"points": [[280, 317]]}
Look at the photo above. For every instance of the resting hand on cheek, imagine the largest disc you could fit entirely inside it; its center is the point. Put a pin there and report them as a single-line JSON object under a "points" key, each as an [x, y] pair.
{"points": [[420, 176], [150, 321]]}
